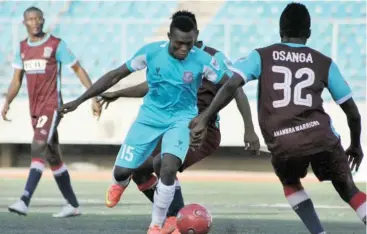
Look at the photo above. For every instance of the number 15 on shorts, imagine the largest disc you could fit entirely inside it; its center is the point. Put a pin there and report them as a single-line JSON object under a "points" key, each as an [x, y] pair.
{"points": [[126, 153]]}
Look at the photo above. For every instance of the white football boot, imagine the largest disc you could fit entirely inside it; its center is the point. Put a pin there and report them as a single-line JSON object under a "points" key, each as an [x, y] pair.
{"points": [[19, 208], [67, 211]]}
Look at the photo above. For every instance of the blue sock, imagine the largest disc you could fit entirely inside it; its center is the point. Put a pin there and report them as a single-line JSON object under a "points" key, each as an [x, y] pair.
{"points": [[62, 178], [34, 176], [304, 208], [177, 203]]}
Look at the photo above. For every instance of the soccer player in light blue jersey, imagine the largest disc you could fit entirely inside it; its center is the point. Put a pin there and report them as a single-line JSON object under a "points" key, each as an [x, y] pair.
{"points": [[174, 74], [296, 129]]}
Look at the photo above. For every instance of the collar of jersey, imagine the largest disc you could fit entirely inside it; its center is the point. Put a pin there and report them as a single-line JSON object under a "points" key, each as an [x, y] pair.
{"points": [[37, 43], [293, 44]]}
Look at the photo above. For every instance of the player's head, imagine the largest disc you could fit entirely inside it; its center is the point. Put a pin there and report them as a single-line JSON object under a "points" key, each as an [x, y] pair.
{"points": [[295, 22], [33, 20], [190, 15], [182, 36]]}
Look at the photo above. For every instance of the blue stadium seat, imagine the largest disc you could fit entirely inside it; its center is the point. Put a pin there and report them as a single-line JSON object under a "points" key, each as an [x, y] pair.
{"points": [[104, 34]]}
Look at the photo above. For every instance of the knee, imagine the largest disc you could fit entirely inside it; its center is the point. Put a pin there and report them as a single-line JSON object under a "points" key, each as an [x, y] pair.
{"points": [[169, 168], [346, 188], [121, 174], [38, 149]]}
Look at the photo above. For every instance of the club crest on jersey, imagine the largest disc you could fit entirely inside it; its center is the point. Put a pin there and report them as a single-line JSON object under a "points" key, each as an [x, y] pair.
{"points": [[187, 77], [214, 63], [47, 51]]}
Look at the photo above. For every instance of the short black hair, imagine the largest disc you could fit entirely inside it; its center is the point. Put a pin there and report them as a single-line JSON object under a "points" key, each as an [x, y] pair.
{"points": [[185, 13], [295, 21], [32, 8], [183, 23]]}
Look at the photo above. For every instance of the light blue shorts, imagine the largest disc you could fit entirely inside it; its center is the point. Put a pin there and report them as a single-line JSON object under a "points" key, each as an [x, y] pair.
{"points": [[142, 138]]}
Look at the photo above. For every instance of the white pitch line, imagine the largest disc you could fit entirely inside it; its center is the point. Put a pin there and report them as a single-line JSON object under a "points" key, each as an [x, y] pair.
{"points": [[132, 202]]}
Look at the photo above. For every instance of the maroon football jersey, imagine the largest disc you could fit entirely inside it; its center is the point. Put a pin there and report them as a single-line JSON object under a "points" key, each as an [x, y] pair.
{"points": [[291, 116], [42, 68], [208, 90]]}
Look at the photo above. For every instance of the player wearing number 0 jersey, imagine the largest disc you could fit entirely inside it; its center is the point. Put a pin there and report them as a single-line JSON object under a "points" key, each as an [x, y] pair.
{"points": [[293, 122], [39, 57]]}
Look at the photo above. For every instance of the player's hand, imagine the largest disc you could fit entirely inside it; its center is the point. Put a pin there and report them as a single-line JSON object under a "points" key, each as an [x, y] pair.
{"points": [[96, 108], [5, 110], [68, 107], [355, 156], [198, 127], [107, 98], [252, 142]]}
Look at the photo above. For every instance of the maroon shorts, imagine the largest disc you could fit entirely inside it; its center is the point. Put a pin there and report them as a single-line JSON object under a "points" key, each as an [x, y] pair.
{"points": [[327, 165], [210, 145], [45, 125]]}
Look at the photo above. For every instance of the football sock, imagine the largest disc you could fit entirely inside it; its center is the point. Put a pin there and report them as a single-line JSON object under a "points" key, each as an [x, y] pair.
{"points": [[62, 178], [148, 187], [163, 197], [303, 206], [358, 203], [178, 201], [34, 176]]}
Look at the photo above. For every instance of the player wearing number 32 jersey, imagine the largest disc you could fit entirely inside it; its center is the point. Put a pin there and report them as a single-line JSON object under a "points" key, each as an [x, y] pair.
{"points": [[294, 125]]}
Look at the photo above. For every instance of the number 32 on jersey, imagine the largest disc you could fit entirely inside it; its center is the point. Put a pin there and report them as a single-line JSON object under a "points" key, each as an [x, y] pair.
{"points": [[297, 92]]}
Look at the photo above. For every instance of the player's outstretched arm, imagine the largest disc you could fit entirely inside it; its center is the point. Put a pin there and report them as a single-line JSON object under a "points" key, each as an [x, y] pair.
{"points": [[13, 90], [223, 97], [251, 139], [101, 85], [136, 91], [86, 81]]}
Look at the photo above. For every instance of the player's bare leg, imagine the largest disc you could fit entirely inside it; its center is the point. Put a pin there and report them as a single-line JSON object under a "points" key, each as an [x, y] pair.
{"points": [[35, 172], [349, 192], [164, 193], [121, 179], [302, 204], [145, 180], [62, 178]]}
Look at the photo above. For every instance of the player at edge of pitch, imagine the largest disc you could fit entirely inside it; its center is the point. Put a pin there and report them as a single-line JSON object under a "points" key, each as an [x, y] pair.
{"points": [[40, 58]]}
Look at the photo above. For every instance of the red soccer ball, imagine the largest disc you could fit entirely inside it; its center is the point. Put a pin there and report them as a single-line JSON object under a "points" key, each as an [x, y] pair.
{"points": [[194, 219]]}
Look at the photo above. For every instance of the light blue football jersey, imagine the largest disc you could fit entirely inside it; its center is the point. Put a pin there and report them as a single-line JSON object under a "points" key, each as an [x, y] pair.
{"points": [[173, 84]]}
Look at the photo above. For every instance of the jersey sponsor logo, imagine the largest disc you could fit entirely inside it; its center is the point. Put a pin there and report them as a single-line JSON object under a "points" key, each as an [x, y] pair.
{"points": [[187, 77], [293, 57], [35, 66], [215, 64], [47, 51]]}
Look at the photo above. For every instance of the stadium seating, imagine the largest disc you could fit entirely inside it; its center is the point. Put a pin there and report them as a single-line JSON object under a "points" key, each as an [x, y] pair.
{"points": [[104, 34]]}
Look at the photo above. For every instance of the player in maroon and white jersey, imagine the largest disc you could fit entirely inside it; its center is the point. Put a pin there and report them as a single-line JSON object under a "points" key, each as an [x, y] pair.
{"points": [[40, 58], [293, 122]]}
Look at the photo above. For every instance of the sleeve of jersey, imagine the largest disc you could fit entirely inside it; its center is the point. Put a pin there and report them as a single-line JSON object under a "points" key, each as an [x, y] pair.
{"points": [[249, 67], [139, 60], [337, 86], [212, 70], [64, 55], [17, 61], [224, 63]]}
